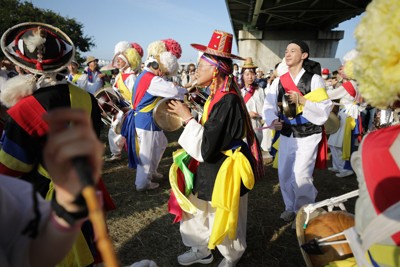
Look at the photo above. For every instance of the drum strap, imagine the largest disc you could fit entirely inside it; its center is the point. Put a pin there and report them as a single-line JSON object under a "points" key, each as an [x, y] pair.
{"points": [[150, 107]]}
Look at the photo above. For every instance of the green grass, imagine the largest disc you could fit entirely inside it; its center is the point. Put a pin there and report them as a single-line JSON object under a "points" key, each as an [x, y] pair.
{"points": [[141, 227]]}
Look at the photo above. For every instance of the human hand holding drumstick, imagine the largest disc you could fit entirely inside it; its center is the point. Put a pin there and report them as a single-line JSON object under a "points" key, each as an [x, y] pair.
{"points": [[73, 157], [181, 110]]}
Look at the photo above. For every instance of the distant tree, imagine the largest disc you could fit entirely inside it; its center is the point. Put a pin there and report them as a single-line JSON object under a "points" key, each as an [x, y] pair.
{"points": [[13, 12]]}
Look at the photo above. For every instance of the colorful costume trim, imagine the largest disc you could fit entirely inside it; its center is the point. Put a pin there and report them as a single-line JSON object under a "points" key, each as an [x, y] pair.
{"points": [[181, 181]]}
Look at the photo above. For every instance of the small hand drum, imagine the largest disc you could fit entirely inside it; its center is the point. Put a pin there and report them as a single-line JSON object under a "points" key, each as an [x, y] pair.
{"points": [[164, 119], [332, 124]]}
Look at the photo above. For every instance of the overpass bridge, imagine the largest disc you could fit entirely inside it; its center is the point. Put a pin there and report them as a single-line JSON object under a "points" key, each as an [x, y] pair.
{"points": [[263, 28]]}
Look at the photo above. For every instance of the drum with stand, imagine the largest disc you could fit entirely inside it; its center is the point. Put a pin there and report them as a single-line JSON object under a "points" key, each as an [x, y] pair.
{"points": [[320, 232]]}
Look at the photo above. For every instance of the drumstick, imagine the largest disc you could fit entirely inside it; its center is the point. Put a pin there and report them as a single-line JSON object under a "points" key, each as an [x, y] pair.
{"points": [[96, 214]]}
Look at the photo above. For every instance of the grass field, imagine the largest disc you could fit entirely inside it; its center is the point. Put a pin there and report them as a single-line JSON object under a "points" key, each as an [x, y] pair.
{"points": [[141, 227]]}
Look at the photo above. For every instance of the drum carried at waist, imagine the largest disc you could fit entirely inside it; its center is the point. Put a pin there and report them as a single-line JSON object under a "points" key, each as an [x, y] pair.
{"points": [[111, 104]]}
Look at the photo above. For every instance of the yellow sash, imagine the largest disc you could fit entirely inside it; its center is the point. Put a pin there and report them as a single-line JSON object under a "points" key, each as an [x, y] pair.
{"points": [[317, 95], [349, 126], [150, 106], [125, 92], [226, 195], [145, 109], [76, 77]]}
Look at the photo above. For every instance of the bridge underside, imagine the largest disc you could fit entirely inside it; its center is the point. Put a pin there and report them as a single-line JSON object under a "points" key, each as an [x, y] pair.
{"points": [[263, 28]]}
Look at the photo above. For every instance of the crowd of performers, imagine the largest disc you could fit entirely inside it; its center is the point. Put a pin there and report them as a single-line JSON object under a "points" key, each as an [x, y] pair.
{"points": [[224, 146]]}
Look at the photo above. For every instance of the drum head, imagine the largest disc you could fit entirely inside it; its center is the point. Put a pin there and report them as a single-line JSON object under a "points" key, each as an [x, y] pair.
{"points": [[324, 224], [165, 120], [332, 124]]}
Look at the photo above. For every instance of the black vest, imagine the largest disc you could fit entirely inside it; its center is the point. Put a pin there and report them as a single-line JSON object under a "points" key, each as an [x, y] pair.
{"points": [[299, 130]]}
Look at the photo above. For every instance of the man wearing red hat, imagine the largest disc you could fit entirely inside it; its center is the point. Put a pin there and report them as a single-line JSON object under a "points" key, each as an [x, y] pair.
{"points": [[301, 129], [224, 166]]}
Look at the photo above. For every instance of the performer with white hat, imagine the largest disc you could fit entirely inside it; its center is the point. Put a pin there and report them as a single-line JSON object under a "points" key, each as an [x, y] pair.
{"points": [[127, 58], [340, 142], [145, 140]]}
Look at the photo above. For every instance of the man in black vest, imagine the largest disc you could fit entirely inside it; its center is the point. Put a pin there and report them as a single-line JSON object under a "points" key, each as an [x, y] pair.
{"points": [[302, 130]]}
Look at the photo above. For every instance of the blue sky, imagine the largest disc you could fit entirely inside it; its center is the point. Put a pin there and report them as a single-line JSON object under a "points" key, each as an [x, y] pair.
{"points": [[145, 21]]}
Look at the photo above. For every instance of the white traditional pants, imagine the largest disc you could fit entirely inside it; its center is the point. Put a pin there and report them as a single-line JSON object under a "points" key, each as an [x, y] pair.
{"points": [[268, 135], [296, 162], [337, 161], [116, 142], [196, 229], [152, 145]]}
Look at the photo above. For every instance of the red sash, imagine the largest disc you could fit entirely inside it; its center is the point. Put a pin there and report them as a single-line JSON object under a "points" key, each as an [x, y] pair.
{"points": [[349, 88], [381, 171], [248, 95], [288, 83], [217, 97], [143, 83], [322, 154]]}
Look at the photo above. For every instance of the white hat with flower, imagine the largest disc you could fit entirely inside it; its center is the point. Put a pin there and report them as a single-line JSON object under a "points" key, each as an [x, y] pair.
{"points": [[166, 53]]}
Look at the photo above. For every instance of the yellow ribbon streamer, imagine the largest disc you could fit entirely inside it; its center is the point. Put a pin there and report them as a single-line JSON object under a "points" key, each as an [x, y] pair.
{"points": [[349, 126], [183, 202], [226, 195]]}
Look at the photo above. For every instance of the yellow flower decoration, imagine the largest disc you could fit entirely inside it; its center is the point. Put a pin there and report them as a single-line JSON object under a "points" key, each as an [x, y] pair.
{"points": [[349, 69], [377, 67]]}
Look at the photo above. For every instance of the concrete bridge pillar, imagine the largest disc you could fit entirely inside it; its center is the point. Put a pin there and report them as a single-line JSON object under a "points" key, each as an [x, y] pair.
{"points": [[267, 48]]}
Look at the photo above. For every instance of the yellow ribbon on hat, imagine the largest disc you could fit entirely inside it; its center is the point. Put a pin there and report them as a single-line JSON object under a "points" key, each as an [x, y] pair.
{"points": [[226, 195]]}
